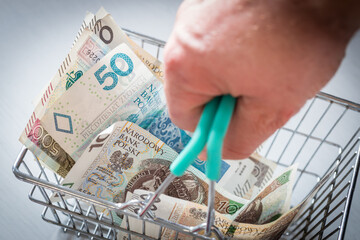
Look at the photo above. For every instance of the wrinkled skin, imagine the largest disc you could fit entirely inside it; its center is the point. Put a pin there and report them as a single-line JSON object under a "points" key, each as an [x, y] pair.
{"points": [[271, 55]]}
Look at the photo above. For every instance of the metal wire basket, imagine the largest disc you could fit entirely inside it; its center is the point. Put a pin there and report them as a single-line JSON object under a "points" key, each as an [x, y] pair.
{"points": [[324, 131]]}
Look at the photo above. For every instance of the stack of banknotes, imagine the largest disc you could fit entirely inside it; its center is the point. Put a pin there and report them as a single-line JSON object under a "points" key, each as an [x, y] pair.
{"points": [[102, 124]]}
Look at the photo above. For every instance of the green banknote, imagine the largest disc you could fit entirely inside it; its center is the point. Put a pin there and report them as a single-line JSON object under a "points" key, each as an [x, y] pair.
{"points": [[248, 176], [272, 202]]}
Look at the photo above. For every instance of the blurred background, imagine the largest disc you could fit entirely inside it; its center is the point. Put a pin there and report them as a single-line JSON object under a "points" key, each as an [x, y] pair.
{"points": [[35, 38]]}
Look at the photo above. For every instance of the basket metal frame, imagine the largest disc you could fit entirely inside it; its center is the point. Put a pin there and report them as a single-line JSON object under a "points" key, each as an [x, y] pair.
{"points": [[72, 214]]}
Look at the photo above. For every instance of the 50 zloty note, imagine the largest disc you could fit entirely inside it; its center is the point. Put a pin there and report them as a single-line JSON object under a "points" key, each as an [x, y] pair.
{"points": [[89, 50], [35, 137], [116, 87]]}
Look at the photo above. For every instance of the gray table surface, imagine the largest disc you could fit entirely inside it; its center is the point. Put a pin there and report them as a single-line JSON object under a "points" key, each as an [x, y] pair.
{"points": [[35, 37]]}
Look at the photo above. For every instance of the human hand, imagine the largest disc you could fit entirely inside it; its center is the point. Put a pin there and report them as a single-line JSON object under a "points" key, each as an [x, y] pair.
{"points": [[272, 56]]}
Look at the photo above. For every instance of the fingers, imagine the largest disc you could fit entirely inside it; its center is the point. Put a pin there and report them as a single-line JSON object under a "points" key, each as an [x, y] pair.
{"points": [[185, 107], [252, 123], [254, 120], [188, 87]]}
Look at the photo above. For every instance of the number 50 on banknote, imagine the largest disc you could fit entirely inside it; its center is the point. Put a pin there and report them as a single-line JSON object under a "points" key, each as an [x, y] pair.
{"points": [[110, 91], [116, 71]]}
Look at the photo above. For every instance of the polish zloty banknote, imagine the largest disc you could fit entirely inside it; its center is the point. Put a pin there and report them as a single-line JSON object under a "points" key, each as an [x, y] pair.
{"points": [[126, 157], [243, 178], [275, 229], [192, 214], [114, 88], [249, 175], [173, 210], [35, 137], [272, 202]]}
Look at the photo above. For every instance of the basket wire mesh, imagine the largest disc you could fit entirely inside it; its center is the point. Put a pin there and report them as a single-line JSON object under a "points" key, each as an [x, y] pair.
{"points": [[325, 131]]}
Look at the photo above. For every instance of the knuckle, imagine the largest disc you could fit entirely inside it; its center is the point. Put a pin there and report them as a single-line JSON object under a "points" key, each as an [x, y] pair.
{"points": [[266, 119], [174, 57]]}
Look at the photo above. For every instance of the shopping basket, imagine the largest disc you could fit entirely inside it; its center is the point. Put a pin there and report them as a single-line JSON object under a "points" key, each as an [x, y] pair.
{"points": [[326, 131]]}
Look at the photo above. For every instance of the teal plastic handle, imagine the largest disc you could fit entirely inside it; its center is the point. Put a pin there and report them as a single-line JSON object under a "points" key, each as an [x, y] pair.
{"points": [[198, 140], [216, 136]]}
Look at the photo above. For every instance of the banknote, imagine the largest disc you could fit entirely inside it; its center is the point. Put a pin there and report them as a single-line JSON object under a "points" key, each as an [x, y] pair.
{"points": [[138, 98], [116, 87], [192, 214], [272, 202], [243, 178], [173, 210], [275, 229], [35, 137], [132, 113], [126, 157], [249, 175]]}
